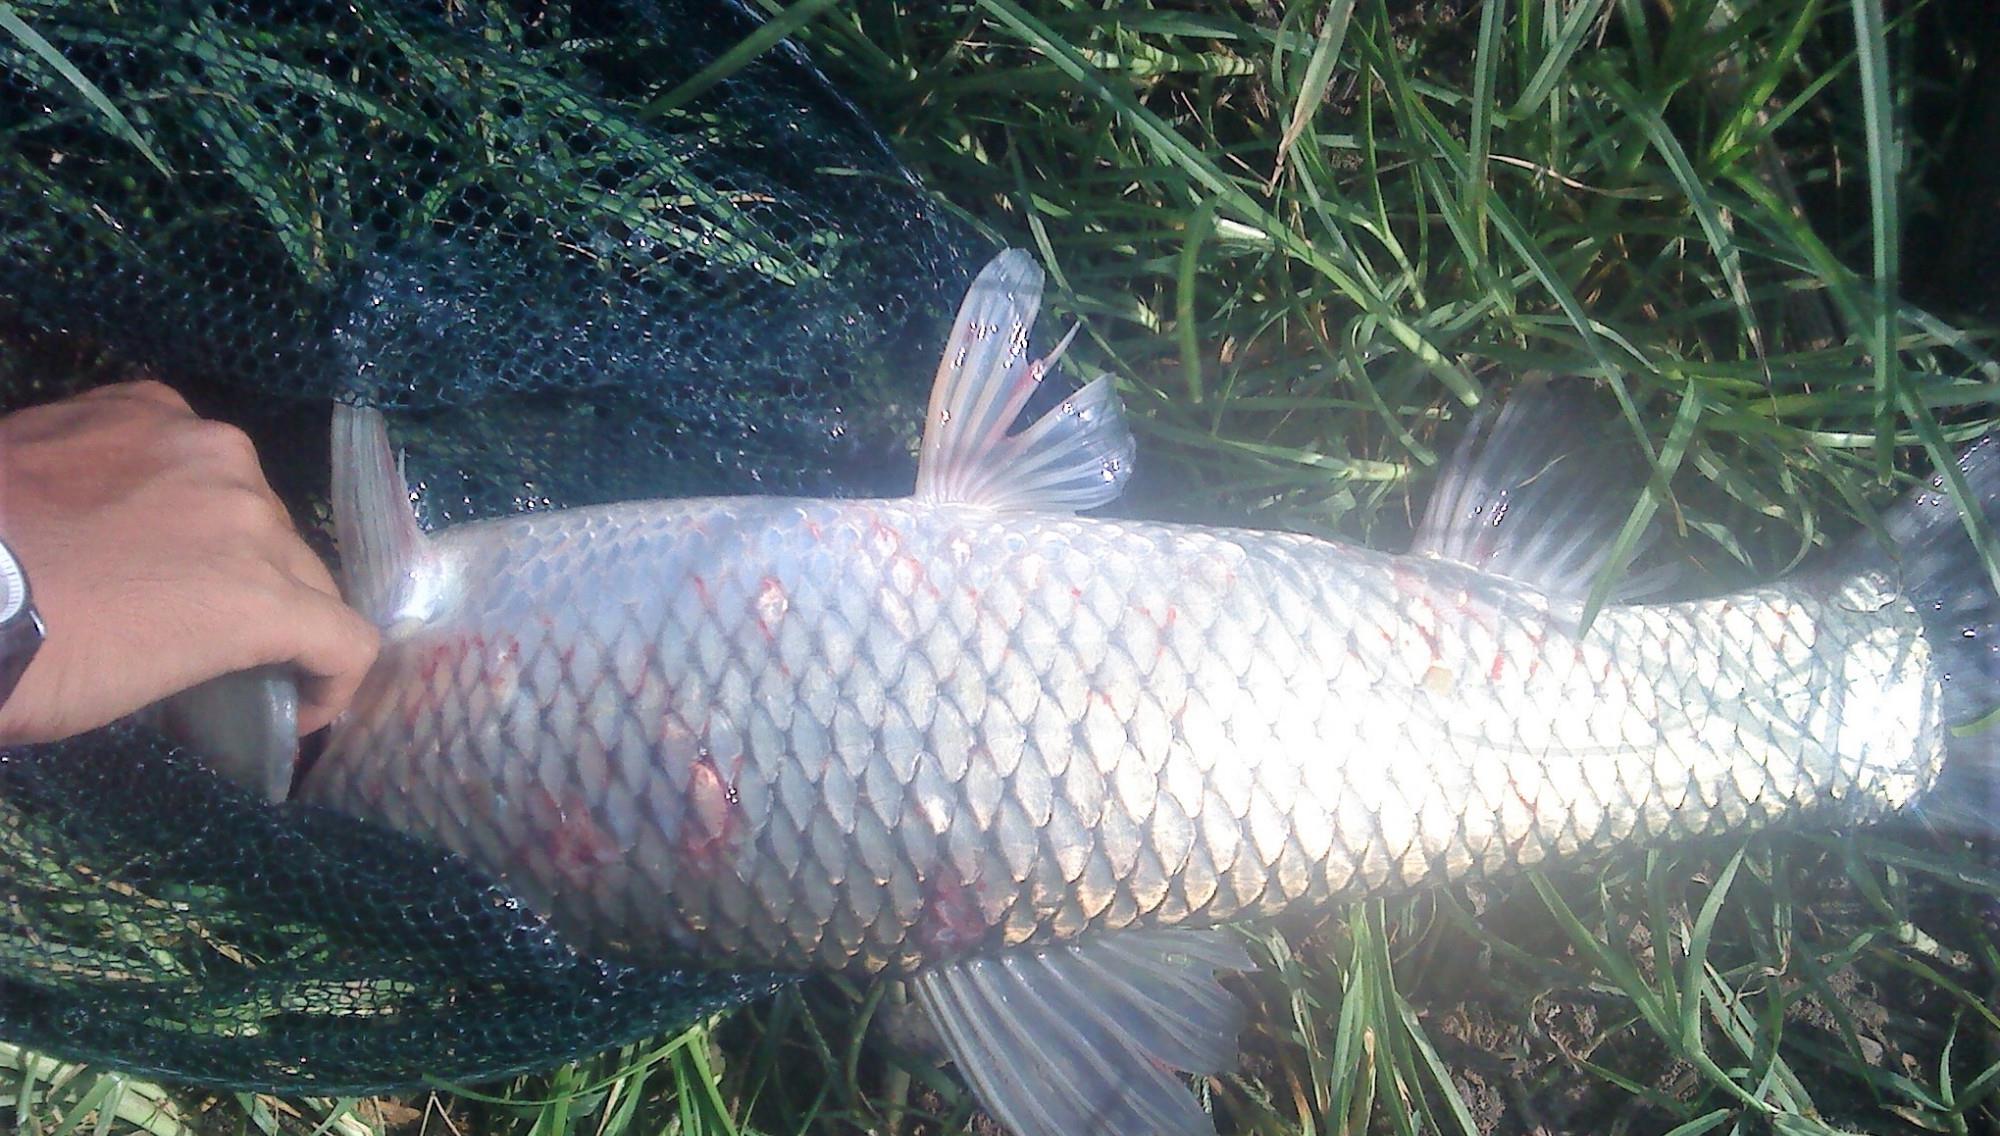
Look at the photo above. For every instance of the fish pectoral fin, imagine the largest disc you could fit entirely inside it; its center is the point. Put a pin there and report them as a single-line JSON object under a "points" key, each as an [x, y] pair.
{"points": [[1084, 1038], [1078, 455]]}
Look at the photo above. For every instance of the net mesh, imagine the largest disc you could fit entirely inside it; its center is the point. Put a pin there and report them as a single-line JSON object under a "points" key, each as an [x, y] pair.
{"points": [[185, 929], [579, 279], [440, 206]]}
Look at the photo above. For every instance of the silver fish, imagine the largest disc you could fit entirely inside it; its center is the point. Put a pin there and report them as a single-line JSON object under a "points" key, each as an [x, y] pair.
{"points": [[1032, 759]]}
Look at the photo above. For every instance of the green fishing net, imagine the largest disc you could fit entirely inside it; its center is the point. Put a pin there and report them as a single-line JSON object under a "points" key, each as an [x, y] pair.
{"points": [[161, 921], [582, 270]]}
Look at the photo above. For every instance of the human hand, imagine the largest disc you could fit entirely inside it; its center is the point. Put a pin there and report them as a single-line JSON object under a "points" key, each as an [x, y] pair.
{"points": [[159, 558]]}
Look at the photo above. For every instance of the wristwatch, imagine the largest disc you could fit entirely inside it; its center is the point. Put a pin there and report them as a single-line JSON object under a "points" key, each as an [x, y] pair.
{"points": [[20, 623]]}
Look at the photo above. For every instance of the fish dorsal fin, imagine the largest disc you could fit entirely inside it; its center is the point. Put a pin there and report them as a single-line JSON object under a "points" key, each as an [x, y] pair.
{"points": [[1083, 1038], [1076, 456], [384, 555], [1537, 491]]}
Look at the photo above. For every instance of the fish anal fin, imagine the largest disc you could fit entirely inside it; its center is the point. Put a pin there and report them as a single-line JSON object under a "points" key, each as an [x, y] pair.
{"points": [[1078, 455], [1081, 1039]]}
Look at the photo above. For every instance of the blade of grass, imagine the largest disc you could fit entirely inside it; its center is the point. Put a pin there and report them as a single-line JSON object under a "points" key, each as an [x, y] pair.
{"points": [[114, 119], [742, 54], [1351, 278], [1312, 89]]}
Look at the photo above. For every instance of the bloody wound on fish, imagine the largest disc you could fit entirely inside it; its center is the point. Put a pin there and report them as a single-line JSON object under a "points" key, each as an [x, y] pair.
{"points": [[1032, 759]]}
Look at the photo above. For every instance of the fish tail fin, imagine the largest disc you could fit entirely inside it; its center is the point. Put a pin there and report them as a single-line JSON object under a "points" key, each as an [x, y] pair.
{"points": [[1936, 558], [1940, 568], [243, 725], [382, 548]]}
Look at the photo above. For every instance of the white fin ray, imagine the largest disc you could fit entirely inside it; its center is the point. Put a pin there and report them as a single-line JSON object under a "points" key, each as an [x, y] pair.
{"points": [[1537, 491], [383, 551], [1076, 456], [1084, 1038]]}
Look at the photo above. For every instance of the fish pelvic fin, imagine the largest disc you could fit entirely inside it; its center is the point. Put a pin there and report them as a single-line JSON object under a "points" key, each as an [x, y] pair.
{"points": [[1078, 455], [384, 554], [1083, 1039], [1537, 491]]}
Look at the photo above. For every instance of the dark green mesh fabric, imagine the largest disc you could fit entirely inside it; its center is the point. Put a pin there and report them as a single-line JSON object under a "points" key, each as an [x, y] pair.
{"points": [[432, 204], [161, 921], [578, 286]]}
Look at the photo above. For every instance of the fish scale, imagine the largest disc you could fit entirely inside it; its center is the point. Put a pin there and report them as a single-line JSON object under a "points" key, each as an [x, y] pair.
{"points": [[1032, 759], [1052, 726]]}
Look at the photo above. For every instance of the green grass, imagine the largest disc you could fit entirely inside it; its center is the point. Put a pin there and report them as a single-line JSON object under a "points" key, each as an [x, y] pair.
{"points": [[1305, 236]]}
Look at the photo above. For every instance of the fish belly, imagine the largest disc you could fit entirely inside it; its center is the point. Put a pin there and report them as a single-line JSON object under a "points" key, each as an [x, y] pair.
{"points": [[871, 735]]}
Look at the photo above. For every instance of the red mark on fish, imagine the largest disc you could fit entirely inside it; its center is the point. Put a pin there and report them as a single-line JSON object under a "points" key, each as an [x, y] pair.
{"points": [[885, 540], [502, 673], [769, 606], [952, 922], [1421, 608], [577, 846], [907, 574], [711, 816], [437, 666]]}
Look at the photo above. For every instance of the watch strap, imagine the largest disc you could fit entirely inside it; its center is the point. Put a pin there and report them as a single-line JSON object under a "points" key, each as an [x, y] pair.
{"points": [[19, 639]]}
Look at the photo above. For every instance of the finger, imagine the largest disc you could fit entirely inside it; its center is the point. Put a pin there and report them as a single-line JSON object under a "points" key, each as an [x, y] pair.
{"points": [[331, 647], [301, 563], [321, 701], [287, 551], [324, 698], [223, 454], [246, 515]]}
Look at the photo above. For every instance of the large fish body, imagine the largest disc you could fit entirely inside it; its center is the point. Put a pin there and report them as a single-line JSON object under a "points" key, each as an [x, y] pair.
{"points": [[868, 735], [1018, 753]]}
